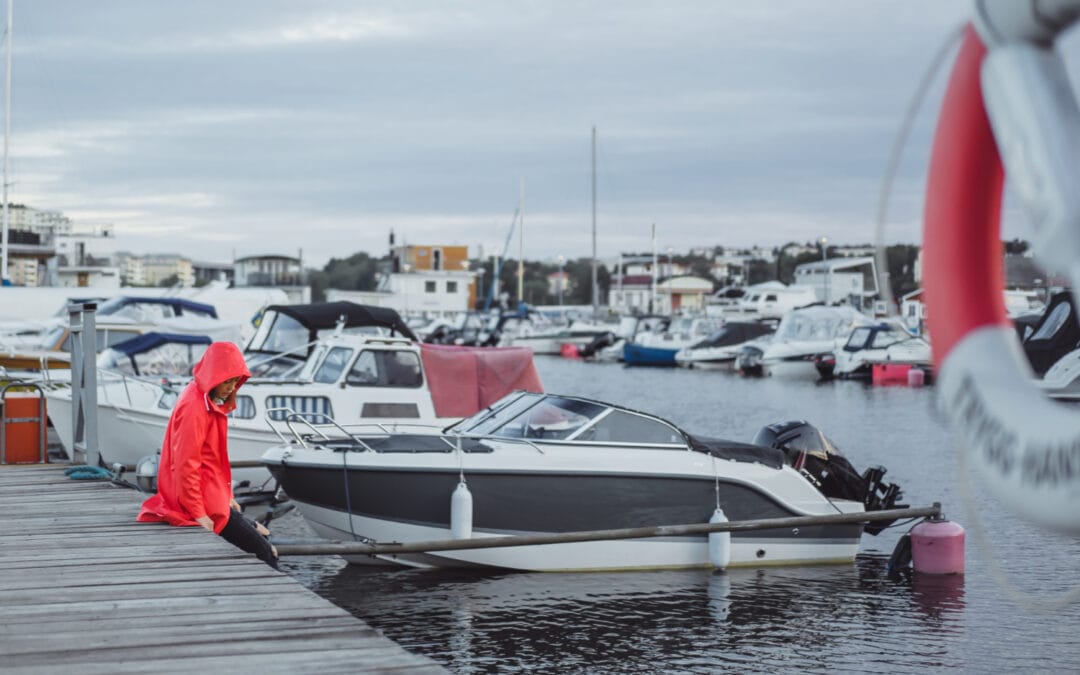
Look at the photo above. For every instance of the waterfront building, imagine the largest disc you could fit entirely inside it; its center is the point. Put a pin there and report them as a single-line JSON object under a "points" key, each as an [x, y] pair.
{"points": [[682, 294], [155, 270], [276, 271], [849, 280]]}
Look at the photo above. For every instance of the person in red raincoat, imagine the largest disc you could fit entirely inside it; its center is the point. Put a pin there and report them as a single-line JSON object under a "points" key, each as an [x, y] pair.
{"points": [[194, 477]]}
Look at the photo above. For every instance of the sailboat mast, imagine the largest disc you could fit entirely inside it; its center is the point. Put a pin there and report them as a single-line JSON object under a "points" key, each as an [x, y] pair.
{"points": [[652, 288], [7, 136], [595, 284], [521, 247]]}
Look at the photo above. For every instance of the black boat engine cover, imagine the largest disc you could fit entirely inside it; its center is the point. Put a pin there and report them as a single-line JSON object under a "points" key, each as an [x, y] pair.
{"points": [[809, 451]]}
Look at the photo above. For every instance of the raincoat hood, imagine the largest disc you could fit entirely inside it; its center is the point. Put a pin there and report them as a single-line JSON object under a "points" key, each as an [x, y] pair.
{"points": [[222, 361]]}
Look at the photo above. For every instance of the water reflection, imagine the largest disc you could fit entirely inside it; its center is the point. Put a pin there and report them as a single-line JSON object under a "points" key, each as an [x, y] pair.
{"points": [[938, 596], [816, 617]]}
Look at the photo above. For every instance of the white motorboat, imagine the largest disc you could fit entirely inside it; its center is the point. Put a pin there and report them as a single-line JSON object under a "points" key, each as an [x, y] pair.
{"points": [[804, 335], [888, 342], [543, 335], [719, 350], [546, 464], [358, 378]]}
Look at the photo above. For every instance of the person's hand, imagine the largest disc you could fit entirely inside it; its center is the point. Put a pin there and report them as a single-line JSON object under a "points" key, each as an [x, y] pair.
{"points": [[261, 529], [234, 505], [205, 522]]}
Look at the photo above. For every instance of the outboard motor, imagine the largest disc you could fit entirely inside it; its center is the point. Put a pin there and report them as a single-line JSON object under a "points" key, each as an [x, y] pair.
{"points": [[599, 342], [748, 362], [811, 453]]}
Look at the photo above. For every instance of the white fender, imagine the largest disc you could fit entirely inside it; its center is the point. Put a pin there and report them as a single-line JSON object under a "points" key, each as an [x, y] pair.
{"points": [[719, 542], [461, 512]]}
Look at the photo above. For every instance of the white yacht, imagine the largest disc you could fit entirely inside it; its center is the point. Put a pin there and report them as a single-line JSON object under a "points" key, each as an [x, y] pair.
{"points": [[804, 335], [887, 342], [537, 464], [719, 350]]}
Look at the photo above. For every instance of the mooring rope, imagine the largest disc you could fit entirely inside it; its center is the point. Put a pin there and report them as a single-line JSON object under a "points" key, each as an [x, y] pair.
{"points": [[87, 472]]}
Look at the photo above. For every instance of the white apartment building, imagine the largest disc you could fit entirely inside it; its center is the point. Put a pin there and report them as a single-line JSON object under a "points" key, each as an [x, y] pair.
{"points": [[22, 217], [23, 271], [152, 270], [427, 292]]}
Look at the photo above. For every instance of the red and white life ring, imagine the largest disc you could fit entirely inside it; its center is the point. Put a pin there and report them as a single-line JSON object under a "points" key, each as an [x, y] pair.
{"points": [[1025, 446]]}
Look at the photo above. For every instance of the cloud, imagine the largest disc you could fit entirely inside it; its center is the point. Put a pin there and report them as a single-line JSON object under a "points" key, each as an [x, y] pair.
{"points": [[274, 125]]}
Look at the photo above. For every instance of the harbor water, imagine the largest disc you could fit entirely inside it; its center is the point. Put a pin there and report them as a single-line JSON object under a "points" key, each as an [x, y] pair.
{"points": [[999, 616]]}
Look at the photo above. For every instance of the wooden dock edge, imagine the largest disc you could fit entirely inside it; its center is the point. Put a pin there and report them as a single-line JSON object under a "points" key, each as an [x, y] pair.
{"points": [[85, 588]]}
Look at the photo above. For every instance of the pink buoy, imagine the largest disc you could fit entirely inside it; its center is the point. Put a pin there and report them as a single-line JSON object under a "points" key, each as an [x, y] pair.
{"points": [[569, 350], [937, 547], [916, 377]]}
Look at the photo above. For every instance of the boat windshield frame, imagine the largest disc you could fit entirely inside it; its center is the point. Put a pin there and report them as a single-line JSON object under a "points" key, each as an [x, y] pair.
{"points": [[565, 419]]}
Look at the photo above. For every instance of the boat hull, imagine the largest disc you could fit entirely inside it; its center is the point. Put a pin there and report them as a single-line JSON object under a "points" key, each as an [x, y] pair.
{"points": [[409, 505], [639, 355]]}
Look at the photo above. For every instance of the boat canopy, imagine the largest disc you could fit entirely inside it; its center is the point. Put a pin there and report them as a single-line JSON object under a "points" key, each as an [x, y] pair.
{"points": [[155, 354], [735, 333], [737, 452], [177, 306], [318, 316], [148, 341]]}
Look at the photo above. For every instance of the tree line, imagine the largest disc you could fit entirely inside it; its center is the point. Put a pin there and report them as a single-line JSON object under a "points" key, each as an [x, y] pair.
{"points": [[360, 272]]}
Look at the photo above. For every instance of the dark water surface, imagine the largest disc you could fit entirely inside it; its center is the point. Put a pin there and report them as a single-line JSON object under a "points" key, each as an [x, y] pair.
{"points": [[846, 618]]}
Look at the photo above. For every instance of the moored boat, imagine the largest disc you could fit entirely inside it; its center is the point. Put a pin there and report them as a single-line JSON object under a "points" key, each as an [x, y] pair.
{"points": [[719, 350], [336, 360], [545, 463]]}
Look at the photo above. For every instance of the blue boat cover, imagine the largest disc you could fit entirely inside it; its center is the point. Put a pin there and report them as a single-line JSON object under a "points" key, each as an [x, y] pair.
{"points": [[147, 341], [178, 304]]}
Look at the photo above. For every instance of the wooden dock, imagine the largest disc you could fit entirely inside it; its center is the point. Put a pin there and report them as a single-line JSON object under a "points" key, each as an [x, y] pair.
{"points": [[86, 589]]}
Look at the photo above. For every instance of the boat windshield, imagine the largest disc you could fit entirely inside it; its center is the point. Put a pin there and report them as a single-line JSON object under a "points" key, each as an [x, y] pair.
{"points": [[798, 327], [533, 416], [884, 338], [857, 339]]}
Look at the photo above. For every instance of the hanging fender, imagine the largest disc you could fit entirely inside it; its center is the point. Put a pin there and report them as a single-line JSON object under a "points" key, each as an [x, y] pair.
{"points": [[1008, 91]]}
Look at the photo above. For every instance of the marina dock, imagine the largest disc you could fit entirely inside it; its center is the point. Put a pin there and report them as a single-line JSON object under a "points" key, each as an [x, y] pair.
{"points": [[85, 588]]}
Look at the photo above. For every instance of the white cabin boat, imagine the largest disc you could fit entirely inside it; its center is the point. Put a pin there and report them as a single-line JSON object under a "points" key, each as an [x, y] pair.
{"points": [[550, 464]]}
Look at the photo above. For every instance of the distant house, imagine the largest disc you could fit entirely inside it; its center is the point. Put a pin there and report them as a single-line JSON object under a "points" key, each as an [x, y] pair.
{"points": [[631, 294], [682, 294], [206, 272], [850, 280], [276, 271]]}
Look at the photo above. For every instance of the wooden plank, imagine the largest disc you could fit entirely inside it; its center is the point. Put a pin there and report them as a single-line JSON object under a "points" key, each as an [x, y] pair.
{"points": [[151, 635], [56, 558], [264, 616], [128, 581], [248, 597], [216, 645], [325, 663], [166, 593]]}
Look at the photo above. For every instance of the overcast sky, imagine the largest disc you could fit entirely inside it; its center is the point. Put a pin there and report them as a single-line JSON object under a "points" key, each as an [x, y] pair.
{"points": [[208, 128]]}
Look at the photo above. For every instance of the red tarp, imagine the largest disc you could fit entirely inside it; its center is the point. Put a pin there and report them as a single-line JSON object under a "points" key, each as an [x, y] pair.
{"points": [[464, 380]]}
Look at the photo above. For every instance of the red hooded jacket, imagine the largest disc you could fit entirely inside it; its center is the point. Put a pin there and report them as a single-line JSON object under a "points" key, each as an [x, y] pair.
{"points": [[194, 478]]}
